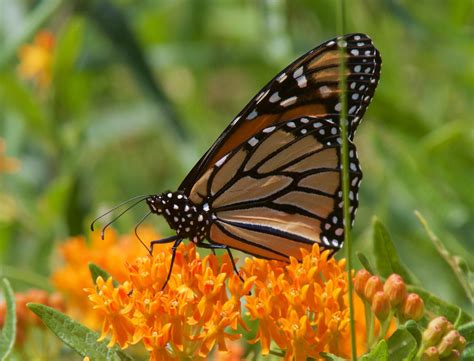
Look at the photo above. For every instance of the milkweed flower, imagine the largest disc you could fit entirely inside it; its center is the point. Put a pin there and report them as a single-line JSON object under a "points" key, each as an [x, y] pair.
{"points": [[191, 316], [36, 59], [110, 253], [301, 307]]}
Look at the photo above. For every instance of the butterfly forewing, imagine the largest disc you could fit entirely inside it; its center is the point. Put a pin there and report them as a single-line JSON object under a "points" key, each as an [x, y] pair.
{"points": [[280, 190], [307, 87]]}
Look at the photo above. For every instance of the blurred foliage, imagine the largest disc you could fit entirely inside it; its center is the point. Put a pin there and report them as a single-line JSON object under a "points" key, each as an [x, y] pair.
{"points": [[140, 90]]}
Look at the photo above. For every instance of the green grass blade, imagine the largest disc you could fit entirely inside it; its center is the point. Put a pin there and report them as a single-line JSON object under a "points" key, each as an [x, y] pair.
{"points": [[78, 337], [458, 265], [8, 334]]}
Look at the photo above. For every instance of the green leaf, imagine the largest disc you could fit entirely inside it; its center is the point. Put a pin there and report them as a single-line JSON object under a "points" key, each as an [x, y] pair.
{"points": [[8, 334], [468, 353], [386, 257], [467, 330], [435, 306], [97, 271], [78, 337], [402, 345], [378, 353], [365, 262], [415, 331], [331, 357]]}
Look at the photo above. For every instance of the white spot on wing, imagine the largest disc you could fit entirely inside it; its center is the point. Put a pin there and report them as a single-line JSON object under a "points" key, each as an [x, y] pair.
{"points": [[302, 81], [269, 129], [282, 77], [288, 101], [253, 141], [252, 115], [221, 161], [298, 72], [274, 98]]}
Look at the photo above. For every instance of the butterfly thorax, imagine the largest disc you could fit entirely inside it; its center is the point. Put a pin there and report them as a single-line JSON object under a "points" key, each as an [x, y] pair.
{"points": [[187, 219]]}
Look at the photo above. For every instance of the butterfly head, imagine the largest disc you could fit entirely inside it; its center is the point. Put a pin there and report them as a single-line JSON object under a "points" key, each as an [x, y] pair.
{"points": [[182, 215]]}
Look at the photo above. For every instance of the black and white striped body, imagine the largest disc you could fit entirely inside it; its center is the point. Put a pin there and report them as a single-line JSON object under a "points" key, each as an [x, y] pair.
{"points": [[187, 219]]}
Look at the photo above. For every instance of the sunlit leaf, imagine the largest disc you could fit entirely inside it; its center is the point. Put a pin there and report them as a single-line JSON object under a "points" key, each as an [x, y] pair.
{"points": [[76, 336]]}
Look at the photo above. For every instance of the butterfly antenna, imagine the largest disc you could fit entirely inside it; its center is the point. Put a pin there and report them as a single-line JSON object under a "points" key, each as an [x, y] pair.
{"points": [[117, 206], [120, 215], [136, 231]]}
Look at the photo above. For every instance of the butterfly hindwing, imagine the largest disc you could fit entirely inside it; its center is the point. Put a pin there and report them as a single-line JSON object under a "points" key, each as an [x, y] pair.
{"points": [[307, 87], [280, 190]]}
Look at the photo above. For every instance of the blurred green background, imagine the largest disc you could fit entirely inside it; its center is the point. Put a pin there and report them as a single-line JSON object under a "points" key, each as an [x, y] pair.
{"points": [[141, 89]]}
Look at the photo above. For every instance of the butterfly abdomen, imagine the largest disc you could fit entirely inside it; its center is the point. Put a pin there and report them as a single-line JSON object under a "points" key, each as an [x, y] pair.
{"points": [[187, 219]]}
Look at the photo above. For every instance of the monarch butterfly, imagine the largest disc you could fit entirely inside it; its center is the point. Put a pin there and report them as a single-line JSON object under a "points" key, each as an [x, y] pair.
{"points": [[271, 182]]}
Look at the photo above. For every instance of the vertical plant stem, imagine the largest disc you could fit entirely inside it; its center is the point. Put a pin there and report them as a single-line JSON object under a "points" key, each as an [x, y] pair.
{"points": [[345, 171]]}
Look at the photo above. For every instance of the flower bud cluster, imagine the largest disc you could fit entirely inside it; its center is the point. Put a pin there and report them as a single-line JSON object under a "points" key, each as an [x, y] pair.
{"points": [[25, 318], [391, 296], [441, 341]]}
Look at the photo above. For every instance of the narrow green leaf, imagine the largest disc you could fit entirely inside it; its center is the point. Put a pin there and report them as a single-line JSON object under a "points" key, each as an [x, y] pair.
{"points": [[78, 337], [402, 345], [435, 306], [386, 257], [97, 271], [8, 334], [365, 262], [458, 265], [468, 353], [378, 353]]}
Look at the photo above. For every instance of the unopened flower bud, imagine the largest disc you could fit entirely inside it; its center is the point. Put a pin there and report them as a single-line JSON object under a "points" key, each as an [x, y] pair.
{"points": [[414, 307], [381, 305], [372, 286], [461, 344], [447, 344], [395, 289], [455, 355], [435, 331], [360, 280], [430, 354]]}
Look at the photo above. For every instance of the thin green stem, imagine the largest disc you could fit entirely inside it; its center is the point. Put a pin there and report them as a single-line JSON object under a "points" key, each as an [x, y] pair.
{"points": [[345, 171]]}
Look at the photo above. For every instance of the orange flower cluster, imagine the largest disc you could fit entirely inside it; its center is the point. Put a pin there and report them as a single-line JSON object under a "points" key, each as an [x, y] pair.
{"points": [[187, 319], [25, 318], [36, 59], [110, 254], [301, 307]]}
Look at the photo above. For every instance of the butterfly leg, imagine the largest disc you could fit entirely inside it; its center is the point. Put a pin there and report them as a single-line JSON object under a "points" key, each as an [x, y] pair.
{"points": [[162, 241], [174, 248], [222, 246]]}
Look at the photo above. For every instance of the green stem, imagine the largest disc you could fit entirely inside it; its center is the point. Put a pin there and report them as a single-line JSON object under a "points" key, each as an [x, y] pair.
{"points": [[345, 174], [370, 326], [41, 13], [384, 325]]}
